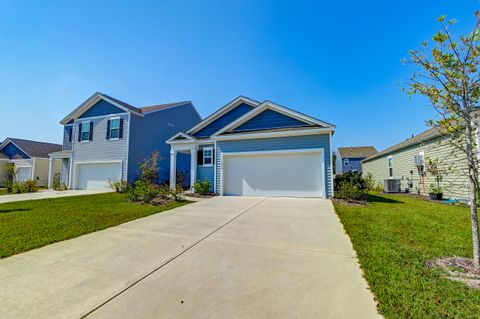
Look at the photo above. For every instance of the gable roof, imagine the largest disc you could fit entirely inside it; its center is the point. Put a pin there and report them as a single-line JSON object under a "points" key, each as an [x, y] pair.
{"points": [[357, 151], [425, 136], [268, 105], [223, 110], [141, 111], [33, 148]]}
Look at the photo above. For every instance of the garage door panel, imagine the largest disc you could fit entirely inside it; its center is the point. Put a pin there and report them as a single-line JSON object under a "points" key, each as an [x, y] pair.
{"points": [[282, 174], [97, 175]]}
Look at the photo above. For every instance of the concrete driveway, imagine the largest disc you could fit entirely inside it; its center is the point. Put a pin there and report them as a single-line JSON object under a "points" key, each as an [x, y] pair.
{"points": [[49, 193], [227, 257]]}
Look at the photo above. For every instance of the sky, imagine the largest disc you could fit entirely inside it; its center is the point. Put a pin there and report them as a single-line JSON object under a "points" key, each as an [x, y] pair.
{"points": [[339, 61]]}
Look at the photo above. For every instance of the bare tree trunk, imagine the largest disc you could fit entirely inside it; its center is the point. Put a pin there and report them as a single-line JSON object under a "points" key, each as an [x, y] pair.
{"points": [[474, 217]]}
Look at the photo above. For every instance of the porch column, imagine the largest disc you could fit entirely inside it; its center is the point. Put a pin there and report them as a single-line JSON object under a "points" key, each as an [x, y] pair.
{"points": [[193, 167], [50, 173], [173, 168]]}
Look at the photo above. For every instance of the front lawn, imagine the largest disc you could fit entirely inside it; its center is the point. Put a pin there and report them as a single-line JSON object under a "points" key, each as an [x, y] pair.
{"points": [[32, 224], [394, 237]]}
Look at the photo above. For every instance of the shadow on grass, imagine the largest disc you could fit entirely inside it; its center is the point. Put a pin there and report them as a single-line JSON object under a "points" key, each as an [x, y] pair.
{"points": [[4, 211], [381, 199]]}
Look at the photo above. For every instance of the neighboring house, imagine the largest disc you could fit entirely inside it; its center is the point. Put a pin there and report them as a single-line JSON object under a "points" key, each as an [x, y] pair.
{"points": [[349, 159], [106, 139], [258, 149], [29, 157], [408, 161]]}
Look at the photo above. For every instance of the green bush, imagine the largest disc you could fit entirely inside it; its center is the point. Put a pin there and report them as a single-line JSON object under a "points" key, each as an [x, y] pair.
{"points": [[202, 188], [119, 186], [142, 192], [350, 186]]}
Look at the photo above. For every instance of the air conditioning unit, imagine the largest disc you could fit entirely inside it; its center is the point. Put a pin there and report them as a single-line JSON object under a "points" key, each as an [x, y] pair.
{"points": [[392, 185]]}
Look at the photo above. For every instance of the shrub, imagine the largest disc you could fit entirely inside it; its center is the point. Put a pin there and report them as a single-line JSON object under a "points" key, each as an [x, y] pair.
{"points": [[369, 181], [149, 170], [119, 186], [350, 186], [11, 177], [203, 188], [30, 185]]}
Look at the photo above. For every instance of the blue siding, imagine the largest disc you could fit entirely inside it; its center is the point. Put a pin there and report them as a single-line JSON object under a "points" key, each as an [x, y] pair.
{"points": [[280, 143], [204, 172], [149, 134], [269, 119], [355, 164], [102, 108], [224, 120], [11, 151], [67, 139]]}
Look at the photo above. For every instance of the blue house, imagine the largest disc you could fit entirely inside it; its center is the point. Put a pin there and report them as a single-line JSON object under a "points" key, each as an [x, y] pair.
{"points": [[349, 159], [258, 149], [105, 139]]}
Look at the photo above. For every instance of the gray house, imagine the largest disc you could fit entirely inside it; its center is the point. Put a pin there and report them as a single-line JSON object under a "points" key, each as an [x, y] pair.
{"points": [[349, 159], [106, 139]]}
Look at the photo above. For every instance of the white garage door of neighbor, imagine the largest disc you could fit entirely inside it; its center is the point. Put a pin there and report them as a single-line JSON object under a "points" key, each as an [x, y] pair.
{"points": [[296, 174], [24, 173], [97, 175]]}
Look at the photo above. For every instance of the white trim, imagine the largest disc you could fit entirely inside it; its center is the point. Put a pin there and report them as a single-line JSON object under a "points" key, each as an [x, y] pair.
{"points": [[291, 151], [188, 138], [244, 136], [32, 177], [208, 148], [331, 166], [98, 117], [267, 105], [91, 101], [237, 101], [128, 146], [98, 162], [215, 167]]}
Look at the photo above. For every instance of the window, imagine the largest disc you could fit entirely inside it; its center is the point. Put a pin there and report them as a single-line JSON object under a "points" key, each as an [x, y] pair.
{"points": [[208, 156], [390, 166], [85, 131], [69, 132], [114, 128], [346, 162]]}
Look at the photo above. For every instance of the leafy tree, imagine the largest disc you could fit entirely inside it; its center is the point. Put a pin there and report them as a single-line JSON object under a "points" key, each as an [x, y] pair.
{"points": [[450, 79]]}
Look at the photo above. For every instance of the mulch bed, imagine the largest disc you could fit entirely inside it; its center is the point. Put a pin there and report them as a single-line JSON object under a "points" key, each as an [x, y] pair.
{"points": [[350, 202], [458, 269]]}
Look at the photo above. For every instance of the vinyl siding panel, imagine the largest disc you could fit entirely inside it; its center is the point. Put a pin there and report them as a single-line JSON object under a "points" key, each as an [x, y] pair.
{"points": [[65, 171], [204, 172], [100, 148], [455, 183], [279, 143], [101, 108], [269, 119], [41, 170], [67, 141], [224, 120], [3, 171], [150, 133]]}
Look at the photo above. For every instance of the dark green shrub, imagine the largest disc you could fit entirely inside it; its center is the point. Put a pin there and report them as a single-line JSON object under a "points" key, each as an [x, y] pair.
{"points": [[350, 186], [202, 188]]}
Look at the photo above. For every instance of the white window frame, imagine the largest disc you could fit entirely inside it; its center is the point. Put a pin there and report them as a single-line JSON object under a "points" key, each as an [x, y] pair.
{"points": [[118, 128], [390, 166], [211, 156], [346, 162], [85, 124]]}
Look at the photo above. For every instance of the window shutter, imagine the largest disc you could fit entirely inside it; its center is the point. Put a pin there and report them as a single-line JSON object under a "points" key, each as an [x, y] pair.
{"points": [[90, 138], [200, 157], [213, 157], [108, 130], [79, 132], [120, 130]]}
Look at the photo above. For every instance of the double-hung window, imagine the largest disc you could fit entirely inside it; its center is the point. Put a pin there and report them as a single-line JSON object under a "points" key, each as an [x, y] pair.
{"points": [[390, 166], [85, 131], [208, 156], [346, 162], [114, 128]]}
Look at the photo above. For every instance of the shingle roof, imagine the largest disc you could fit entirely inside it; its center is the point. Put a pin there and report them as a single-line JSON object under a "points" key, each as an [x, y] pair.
{"points": [[124, 104], [356, 151], [417, 139], [34, 148], [151, 108]]}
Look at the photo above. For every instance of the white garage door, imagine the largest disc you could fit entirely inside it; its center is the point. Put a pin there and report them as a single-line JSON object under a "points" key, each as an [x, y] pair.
{"points": [[24, 173], [292, 173], [97, 175]]}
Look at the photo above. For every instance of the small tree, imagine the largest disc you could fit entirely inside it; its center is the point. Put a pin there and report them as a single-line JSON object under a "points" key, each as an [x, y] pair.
{"points": [[449, 77], [149, 170]]}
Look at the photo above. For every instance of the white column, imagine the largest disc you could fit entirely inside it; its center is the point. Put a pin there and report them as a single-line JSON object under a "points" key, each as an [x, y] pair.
{"points": [[50, 173], [193, 167], [173, 168]]}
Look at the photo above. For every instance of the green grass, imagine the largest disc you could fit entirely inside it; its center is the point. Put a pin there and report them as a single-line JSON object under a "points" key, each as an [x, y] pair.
{"points": [[32, 224], [3, 191], [394, 237]]}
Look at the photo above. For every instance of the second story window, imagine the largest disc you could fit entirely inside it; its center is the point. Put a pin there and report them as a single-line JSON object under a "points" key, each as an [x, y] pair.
{"points": [[390, 166], [114, 128], [69, 132], [85, 130]]}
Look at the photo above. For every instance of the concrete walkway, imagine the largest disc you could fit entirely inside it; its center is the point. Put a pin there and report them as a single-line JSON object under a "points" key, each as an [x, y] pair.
{"points": [[226, 257], [48, 193]]}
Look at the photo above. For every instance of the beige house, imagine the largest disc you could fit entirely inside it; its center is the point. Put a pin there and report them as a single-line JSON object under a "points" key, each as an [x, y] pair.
{"points": [[408, 162]]}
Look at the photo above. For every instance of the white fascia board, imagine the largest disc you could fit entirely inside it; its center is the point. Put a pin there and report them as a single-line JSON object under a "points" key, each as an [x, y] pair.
{"points": [[222, 111], [91, 101], [247, 136], [188, 138], [275, 107]]}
